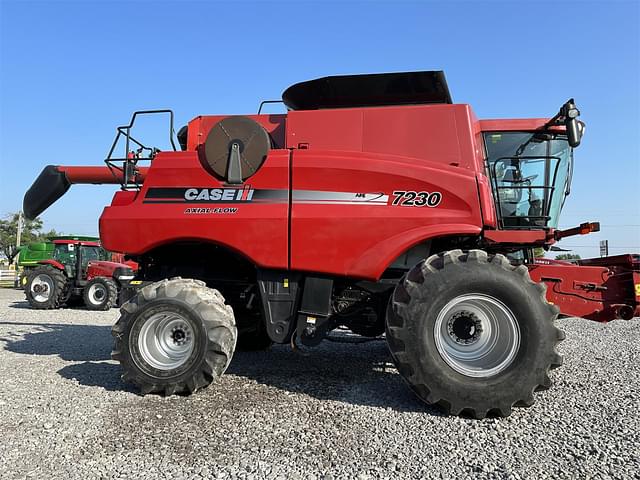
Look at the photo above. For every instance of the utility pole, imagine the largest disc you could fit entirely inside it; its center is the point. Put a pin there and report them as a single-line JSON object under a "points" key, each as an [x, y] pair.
{"points": [[19, 232], [604, 248]]}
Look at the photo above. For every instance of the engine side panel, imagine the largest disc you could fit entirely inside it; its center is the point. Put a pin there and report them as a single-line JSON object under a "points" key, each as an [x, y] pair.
{"points": [[180, 201], [354, 213], [444, 134]]}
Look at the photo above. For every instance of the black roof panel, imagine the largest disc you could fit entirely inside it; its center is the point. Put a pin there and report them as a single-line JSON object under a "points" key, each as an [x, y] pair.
{"points": [[369, 90]]}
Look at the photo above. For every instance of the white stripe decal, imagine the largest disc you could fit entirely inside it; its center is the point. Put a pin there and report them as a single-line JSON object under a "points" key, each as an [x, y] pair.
{"points": [[335, 202], [338, 198]]}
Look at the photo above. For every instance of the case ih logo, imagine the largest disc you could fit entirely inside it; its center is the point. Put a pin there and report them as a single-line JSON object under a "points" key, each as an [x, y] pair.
{"points": [[200, 195], [219, 194]]}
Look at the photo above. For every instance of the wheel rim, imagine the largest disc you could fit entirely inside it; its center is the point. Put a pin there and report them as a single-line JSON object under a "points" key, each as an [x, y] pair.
{"points": [[166, 341], [477, 335], [97, 293], [41, 287]]}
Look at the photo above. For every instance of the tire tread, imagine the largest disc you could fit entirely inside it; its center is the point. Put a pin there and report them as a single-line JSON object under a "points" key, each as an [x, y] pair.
{"points": [[409, 289], [61, 287], [112, 294], [219, 324]]}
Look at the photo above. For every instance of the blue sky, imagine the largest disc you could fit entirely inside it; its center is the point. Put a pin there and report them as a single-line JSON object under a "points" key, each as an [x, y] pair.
{"points": [[71, 71]]}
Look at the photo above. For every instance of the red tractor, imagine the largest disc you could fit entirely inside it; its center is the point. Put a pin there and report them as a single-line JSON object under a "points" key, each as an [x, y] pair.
{"points": [[77, 269], [374, 203]]}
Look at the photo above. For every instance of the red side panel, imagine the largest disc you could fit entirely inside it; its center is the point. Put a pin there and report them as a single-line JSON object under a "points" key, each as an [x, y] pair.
{"points": [[346, 219], [254, 225], [439, 133]]}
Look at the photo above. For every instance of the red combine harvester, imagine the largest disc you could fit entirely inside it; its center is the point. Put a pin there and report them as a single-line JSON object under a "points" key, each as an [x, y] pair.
{"points": [[78, 269], [374, 203]]}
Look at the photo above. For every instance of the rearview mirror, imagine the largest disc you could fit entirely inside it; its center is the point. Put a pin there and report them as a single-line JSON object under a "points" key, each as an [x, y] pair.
{"points": [[571, 114]]}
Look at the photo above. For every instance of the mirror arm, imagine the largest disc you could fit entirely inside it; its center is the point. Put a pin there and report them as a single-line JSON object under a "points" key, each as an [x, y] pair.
{"points": [[568, 116]]}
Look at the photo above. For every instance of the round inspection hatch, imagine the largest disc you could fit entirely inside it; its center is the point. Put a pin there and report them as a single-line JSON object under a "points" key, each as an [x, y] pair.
{"points": [[251, 140]]}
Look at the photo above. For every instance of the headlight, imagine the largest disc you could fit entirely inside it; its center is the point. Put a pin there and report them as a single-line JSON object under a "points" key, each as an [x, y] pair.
{"points": [[123, 273]]}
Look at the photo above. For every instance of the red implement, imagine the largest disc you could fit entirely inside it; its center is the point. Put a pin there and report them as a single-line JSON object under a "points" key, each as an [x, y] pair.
{"points": [[600, 289]]}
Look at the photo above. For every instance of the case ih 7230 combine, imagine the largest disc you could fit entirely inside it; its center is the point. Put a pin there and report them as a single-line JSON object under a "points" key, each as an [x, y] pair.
{"points": [[374, 203]]}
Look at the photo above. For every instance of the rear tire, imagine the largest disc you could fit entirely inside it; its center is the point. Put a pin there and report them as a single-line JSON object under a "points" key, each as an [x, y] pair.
{"points": [[472, 334], [174, 336], [100, 293], [46, 288]]}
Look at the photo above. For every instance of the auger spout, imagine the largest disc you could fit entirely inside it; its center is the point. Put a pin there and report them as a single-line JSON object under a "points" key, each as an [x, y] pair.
{"points": [[54, 181]]}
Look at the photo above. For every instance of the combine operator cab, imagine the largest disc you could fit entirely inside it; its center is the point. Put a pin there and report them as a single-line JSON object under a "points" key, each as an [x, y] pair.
{"points": [[530, 172], [529, 189]]}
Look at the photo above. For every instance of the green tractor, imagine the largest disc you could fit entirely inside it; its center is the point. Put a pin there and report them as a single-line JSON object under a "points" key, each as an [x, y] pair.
{"points": [[29, 256]]}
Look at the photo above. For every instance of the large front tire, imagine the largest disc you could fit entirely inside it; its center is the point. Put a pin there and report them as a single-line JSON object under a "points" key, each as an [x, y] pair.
{"points": [[174, 336], [46, 288], [472, 334]]}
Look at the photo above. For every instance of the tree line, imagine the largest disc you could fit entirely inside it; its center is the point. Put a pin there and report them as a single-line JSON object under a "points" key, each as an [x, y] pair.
{"points": [[32, 231]]}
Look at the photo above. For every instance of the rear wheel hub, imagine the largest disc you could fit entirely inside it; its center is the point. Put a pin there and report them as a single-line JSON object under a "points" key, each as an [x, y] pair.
{"points": [[179, 336], [41, 287], [477, 335], [97, 293], [464, 327], [166, 341]]}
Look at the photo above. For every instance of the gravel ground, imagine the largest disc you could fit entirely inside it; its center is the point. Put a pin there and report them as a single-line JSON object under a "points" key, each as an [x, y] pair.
{"points": [[341, 412]]}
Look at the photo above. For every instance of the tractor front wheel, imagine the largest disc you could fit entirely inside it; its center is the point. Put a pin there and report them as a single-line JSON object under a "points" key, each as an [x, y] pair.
{"points": [[46, 288], [174, 336], [473, 334], [101, 293]]}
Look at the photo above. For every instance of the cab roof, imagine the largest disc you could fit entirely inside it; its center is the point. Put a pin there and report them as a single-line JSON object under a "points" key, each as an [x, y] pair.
{"points": [[83, 243]]}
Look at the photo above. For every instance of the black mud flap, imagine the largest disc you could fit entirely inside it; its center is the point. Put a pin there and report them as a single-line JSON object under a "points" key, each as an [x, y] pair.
{"points": [[314, 317], [280, 293]]}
